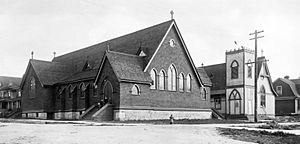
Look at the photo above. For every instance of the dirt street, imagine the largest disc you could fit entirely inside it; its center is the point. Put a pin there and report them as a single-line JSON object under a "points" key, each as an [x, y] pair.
{"points": [[12, 133]]}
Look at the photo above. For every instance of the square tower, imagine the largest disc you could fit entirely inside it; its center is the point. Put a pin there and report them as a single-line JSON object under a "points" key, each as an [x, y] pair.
{"points": [[239, 81]]}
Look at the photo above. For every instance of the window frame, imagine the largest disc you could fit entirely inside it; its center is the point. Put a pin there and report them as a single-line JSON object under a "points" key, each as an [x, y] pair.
{"points": [[234, 70], [153, 75], [162, 80], [188, 82], [137, 90], [262, 96], [181, 82], [172, 78], [277, 90]]}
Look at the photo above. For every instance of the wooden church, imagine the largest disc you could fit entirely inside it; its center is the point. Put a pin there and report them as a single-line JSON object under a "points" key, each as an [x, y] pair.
{"points": [[232, 91], [147, 74]]}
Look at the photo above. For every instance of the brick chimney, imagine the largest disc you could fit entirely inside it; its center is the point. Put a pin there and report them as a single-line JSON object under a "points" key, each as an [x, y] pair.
{"points": [[287, 77]]}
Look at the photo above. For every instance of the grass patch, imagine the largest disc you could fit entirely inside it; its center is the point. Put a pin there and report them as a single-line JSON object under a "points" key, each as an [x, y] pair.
{"points": [[261, 137]]}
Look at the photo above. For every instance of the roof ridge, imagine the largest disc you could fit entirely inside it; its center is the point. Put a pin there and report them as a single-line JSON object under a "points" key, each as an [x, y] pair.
{"points": [[121, 53], [212, 65], [105, 41]]}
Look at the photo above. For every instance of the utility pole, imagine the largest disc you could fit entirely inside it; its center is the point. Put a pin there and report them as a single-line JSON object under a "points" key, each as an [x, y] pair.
{"points": [[255, 71]]}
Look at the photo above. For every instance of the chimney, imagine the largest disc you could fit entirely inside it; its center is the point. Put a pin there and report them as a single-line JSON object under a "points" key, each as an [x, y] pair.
{"points": [[286, 77]]}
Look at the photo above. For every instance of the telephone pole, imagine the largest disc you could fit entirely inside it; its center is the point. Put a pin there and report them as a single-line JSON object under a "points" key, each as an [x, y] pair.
{"points": [[255, 71]]}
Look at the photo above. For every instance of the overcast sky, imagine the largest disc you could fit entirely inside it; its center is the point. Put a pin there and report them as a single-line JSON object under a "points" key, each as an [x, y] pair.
{"points": [[208, 27]]}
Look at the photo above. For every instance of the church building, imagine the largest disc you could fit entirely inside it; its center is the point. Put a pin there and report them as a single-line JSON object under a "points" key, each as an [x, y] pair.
{"points": [[232, 91], [144, 75]]}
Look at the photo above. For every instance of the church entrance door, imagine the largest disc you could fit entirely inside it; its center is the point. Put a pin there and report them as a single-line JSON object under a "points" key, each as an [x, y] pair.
{"points": [[108, 92], [235, 103]]}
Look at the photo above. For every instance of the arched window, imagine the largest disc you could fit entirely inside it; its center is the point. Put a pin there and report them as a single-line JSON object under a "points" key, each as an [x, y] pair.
{"points": [[181, 81], [203, 93], [249, 69], [172, 78], [162, 81], [135, 90], [262, 96], [70, 91], [234, 70], [32, 87], [189, 83], [153, 77], [82, 90]]}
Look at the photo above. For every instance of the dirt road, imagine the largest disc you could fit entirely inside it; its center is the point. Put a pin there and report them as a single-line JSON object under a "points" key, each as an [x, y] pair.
{"points": [[85, 134]]}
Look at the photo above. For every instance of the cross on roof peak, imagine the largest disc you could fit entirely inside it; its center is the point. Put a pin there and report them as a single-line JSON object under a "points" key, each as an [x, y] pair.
{"points": [[172, 13]]}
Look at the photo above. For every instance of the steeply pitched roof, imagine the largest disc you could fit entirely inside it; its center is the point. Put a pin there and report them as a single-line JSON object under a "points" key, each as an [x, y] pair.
{"points": [[146, 39], [49, 72], [217, 75], [128, 67], [204, 77], [9, 82], [291, 84]]}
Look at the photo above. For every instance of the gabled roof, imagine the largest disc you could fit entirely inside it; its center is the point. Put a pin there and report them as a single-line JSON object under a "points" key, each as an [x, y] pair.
{"points": [[9, 82], [47, 72], [127, 67], [146, 39], [217, 75], [204, 77], [262, 63], [291, 84]]}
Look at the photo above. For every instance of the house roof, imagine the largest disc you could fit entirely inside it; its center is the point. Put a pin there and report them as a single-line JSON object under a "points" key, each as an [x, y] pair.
{"points": [[204, 77], [128, 67], [217, 75], [291, 84], [9, 82]]}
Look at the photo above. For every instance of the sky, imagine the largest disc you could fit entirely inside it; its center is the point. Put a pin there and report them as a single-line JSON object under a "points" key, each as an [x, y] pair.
{"points": [[208, 27]]}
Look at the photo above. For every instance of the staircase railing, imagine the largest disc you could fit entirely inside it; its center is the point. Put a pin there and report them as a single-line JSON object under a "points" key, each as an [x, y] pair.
{"points": [[217, 114], [82, 116]]}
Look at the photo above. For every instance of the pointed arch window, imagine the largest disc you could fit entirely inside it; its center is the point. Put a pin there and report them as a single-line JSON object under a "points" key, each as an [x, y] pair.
{"points": [[70, 89], [249, 69], [234, 70], [32, 87], [172, 78], [162, 80], [83, 88], [153, 76], [181, 82], [135, 90], [189, 83], [262, 96]]}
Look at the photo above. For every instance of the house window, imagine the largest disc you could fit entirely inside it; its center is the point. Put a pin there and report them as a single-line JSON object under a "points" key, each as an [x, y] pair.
{"points": [[153, 77], [217, 103], [135, 90], [19, 94], [249, 69], [181, 81], [262, 96], [234, 70], [32, 87], [162, 80], [279, 90], [189, 83], [172, 78]]}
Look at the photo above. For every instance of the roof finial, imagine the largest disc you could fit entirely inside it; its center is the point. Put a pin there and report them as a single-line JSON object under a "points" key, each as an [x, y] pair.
{"points": [[172, 13], [31, 54], [54, 53]]}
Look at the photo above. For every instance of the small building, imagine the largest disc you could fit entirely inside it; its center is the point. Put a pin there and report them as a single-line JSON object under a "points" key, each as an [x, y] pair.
{"points": [[232, 91], [288, 100], [10, 96], [144, 75]]}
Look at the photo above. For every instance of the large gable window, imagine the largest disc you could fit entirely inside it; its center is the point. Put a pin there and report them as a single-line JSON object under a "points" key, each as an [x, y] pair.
{"points": [[234, 70], [172, 78], [32, 87], [181, 81], [279, 90], [162, 80], [153, 77], [262, 96], [189, 83]]}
